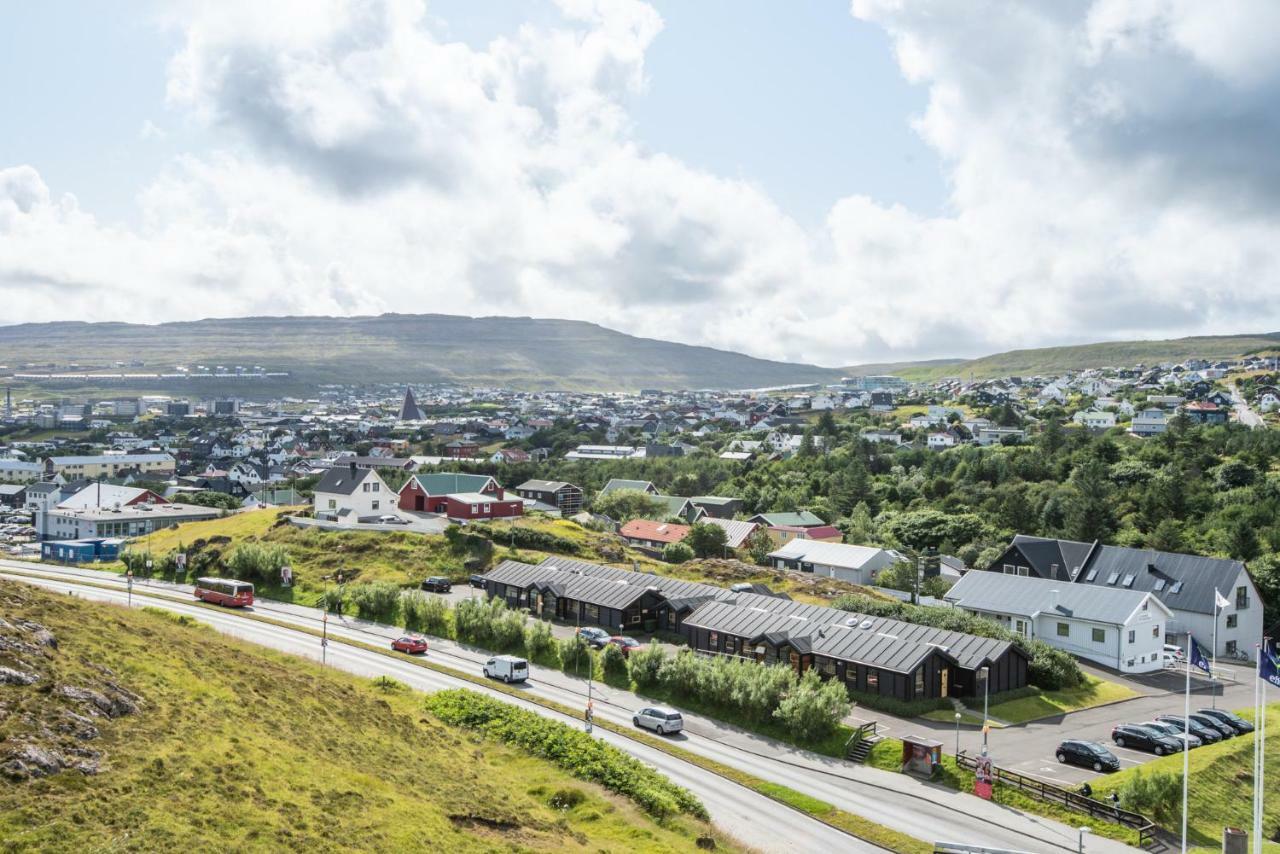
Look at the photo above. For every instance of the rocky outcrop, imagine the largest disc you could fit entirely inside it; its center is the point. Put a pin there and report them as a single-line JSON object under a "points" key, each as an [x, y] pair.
{"points": [[11, 676]]}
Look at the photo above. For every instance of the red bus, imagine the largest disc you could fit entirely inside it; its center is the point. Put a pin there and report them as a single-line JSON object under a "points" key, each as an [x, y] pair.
{"points": [[225, 591]]}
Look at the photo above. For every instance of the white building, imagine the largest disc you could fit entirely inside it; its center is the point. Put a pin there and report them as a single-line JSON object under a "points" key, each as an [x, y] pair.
{"points": [[1094, 419], [349, 494], [855, 564], [1121, 629], [1149, 422]]}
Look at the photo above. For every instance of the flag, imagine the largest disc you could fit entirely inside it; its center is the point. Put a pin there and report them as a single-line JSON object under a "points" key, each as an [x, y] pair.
{"points": [[1269, 662], [1198, 658], [1219, 599]]}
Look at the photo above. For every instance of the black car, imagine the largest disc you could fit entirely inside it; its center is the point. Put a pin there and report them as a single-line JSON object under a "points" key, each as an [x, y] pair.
{"points": [[1088, 754], [1234, 721], [1142, 738], [476, 581], [1227, 730], [1209, 735], [437, 584]]}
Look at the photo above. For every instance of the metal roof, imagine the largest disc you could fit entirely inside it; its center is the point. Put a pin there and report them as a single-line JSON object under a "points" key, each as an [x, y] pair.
{"points": [[996, 592], [830, 554]]}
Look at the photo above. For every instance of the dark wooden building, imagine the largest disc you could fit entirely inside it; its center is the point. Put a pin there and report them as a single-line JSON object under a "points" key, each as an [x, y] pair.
{"points": [[563, 496]]}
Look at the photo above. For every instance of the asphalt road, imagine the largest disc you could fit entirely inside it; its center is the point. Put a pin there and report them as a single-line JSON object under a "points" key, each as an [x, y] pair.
{"points": [[1244, 413], [895, 800]]}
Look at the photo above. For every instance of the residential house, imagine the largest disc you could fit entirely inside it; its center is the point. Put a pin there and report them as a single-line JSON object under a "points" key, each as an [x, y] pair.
{"points": [[1093, 419], [462, 449], [1118, 628], [647, 534], [736, 533], [1186, 584], [615, 484], [1204, 412], [111, 465], [509, 456], [431, 493], [557, 494], [349, 494], [855, 564], [1148, 422]]}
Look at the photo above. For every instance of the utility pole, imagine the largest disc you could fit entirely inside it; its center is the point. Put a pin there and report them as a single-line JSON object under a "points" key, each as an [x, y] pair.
{"points": [[128, 583], [324, 636]]}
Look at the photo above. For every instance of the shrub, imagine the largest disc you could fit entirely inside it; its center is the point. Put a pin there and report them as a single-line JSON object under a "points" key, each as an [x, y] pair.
{"points": [[375, 600], [528, 538], [429, 614], [677, 553], [575, 656], [572, 749], [813, 708], [257, 562], [539, 643], [614, 664], [1157, 795], [645, 665], [489, 623], [331, 600]]}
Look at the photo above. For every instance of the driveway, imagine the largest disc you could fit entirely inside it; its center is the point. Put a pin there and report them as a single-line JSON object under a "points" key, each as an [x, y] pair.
{"points": [[1244, 413]]}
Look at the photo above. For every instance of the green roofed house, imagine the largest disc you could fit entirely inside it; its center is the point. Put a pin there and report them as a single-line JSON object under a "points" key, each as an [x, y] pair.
{"points": [[799, 519], [617, 483], [718, 507], [679, 506], [419, 491]]}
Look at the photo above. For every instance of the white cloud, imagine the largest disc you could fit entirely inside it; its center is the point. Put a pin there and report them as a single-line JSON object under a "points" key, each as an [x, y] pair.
{"points": [[1110, 164]]}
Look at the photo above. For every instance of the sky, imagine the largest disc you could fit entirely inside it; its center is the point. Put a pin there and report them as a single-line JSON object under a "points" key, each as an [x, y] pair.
{"points": [[823, 182]]}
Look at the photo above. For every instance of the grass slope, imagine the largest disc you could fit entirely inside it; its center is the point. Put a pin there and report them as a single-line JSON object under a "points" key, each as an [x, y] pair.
{"points": [[1221, 790], [236, 747], [516, 352]]}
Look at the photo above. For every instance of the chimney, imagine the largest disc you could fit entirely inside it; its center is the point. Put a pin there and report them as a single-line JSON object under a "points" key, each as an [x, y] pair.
{"points": [[353, 467], [1053, 598]]}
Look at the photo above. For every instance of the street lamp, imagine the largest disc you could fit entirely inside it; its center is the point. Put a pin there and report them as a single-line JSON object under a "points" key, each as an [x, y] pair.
{"points": [[1083, 831], [957, 735]]}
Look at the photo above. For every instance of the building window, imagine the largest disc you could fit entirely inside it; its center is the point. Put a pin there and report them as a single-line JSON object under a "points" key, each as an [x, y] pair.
{"points": [[1232, 620], [873, 680], [920, 682], [1099, 635], [1231, 648], [1242, 598], [373, 505], [1133, 635], [713, 640], [592, 613], [731, 646], [333, 503], [1155, 631], [375, 487], [827, 666], [1064, 630]]}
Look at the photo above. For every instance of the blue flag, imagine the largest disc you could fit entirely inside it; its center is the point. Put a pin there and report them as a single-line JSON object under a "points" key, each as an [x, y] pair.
{"points": [[1269, 662], [1198, 658]]}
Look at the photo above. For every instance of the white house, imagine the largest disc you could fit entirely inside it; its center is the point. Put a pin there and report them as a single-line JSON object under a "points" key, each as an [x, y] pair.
{"points": [[1149, 422], [855, 564], [938, 441], [348, 494], [1119, 628], [1094, 419]]}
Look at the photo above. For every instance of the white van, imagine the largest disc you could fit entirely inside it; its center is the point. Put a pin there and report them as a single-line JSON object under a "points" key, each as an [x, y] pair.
{"points": [[508, 668]]}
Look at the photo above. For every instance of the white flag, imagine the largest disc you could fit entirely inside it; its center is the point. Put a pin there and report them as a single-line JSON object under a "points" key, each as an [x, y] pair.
{"points": [[1219, 599]]}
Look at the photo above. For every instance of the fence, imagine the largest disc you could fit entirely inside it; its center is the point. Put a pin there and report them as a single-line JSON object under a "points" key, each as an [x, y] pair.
{"points": [[1069, 799]]}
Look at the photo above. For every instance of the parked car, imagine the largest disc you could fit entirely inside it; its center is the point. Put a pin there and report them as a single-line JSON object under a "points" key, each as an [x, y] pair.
{"points": [[1204, 733], [595, 637], [392, 520], [476, 581], [1175, 731], [660, 720], [1141, 738], [1232, 720], [408, 644], [1174, 651], [437, 584], [508, 668], [1088, 754], [1227, 730], [624, 643]]}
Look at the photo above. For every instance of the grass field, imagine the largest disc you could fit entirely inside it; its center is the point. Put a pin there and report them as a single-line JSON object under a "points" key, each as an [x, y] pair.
{"points": [[235, 747], [1221, 789], [1094, 692]]}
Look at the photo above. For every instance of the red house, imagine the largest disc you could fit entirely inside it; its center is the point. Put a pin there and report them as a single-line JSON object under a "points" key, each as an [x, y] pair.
{"points": [[477, 505], [461, 449], [458, 496]]}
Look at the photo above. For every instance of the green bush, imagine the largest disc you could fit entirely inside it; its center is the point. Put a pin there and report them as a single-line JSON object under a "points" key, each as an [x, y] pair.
{"points": [[572, 749], [575, 656], [528, 538], [489, 623], [645, 665], [540, 643], [614, 664], [429, 614], [257, 562], [375, 600], [1157, 795], [813, 708], [676, 553], [901, 708], [331, 600]]}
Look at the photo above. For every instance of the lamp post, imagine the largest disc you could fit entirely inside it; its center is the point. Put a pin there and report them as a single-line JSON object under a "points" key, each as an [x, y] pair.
{"points": [[957, 735], [986, 696], [1084, 831]]}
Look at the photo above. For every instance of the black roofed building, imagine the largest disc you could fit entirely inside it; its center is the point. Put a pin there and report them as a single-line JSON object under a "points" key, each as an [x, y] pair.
{"points": [[556, 494], [1184, 583], [870, 654]]}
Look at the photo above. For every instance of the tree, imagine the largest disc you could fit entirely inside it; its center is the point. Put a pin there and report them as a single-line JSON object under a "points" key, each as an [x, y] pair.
{"points": [[1089, 515], [759, 545], [827, 423], [1242, 540], [806, 448], [623, 505], [929, 529], [813, 708], [707, 540], [1235, 473]]}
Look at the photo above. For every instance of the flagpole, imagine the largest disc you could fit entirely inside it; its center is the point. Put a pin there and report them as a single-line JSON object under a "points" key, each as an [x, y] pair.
{"points": [[1186, 741], [1257, 752], [1261, 732], [1213, 669]]}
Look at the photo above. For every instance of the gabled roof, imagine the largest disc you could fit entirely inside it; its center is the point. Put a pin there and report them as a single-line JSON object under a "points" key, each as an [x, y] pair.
{"points": [[830, 554], [1068, 555], [998, 593], [660, 532], [342, 480], [735, 532], [615, 484], [449, 483], [800, 519], [544, 485]]}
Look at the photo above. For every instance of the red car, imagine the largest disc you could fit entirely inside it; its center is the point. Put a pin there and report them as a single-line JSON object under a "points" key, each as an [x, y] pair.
{"points": [[409, 645], [624, 643]]}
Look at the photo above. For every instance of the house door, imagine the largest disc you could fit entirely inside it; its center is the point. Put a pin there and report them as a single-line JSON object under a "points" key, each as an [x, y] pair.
{"points": [[946, 683], [419, 502]]}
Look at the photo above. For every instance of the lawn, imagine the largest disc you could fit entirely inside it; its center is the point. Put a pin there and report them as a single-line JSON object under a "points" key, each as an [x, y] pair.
{"points": [[1221, 790], [236, 747], [1094, 692]]}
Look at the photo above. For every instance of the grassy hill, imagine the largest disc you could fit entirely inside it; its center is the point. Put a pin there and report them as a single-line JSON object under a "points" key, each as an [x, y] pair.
{"points": [[213, 745], [515, 352], [1050, 360]]}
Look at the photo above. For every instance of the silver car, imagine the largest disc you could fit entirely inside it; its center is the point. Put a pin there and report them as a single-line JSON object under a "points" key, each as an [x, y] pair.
{"points": [[660, 720]]}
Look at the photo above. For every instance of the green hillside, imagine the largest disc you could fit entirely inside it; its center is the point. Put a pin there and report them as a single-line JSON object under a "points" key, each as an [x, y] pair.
{"points": [[1050, 360], [514, 352], [176, 737]]}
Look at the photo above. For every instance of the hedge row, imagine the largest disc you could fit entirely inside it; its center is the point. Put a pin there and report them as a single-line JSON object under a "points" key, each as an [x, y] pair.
{"points": [[572, 749]]}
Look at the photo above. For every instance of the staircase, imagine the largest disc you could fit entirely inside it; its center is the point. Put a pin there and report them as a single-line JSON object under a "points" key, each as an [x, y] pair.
{"points": [[860, 743]]}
